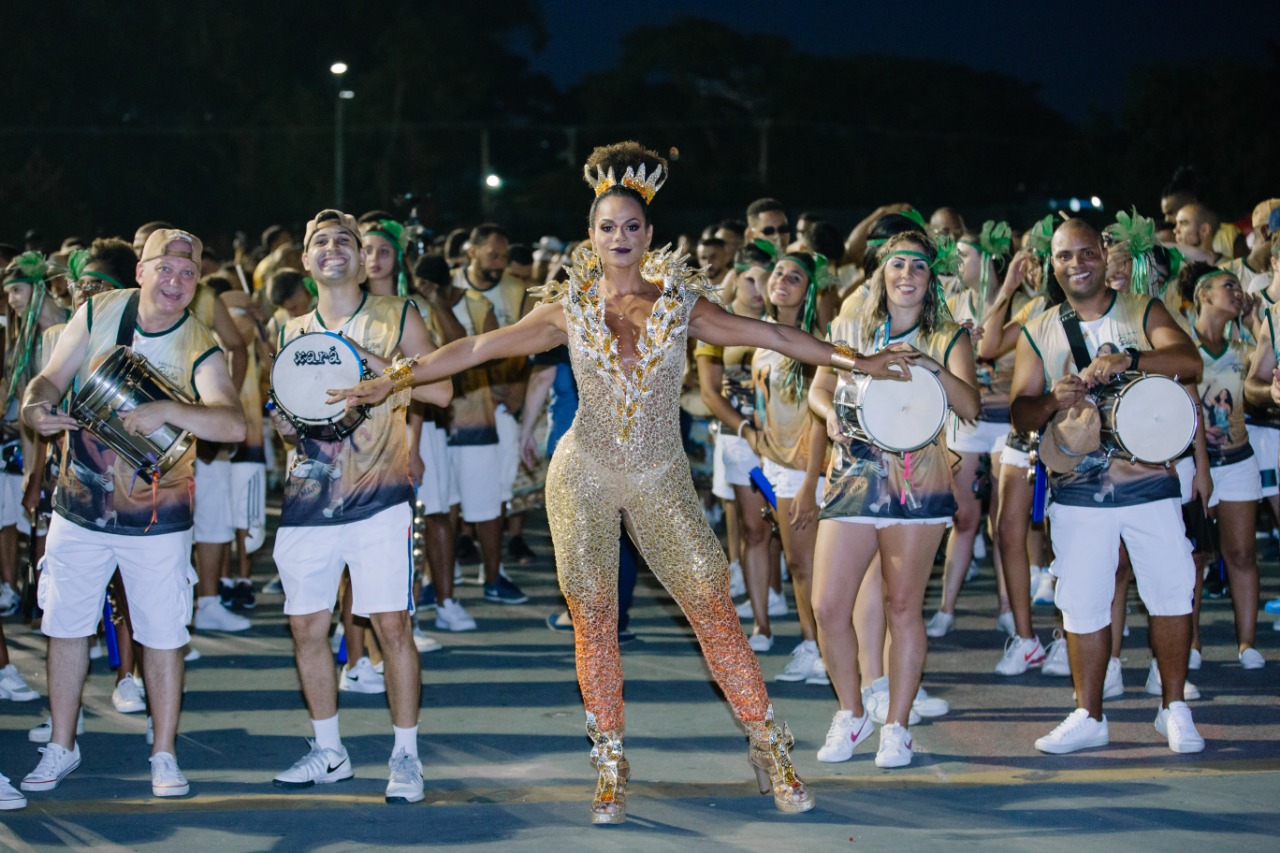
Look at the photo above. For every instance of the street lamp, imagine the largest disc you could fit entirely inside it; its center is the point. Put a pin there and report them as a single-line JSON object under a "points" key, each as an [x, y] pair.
{"points": [[338, 69]]}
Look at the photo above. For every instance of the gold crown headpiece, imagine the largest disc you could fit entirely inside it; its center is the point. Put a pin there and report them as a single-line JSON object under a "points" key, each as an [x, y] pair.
{"points": [[647, 186]]}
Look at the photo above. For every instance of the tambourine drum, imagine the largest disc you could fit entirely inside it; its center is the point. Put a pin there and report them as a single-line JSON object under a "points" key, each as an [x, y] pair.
{"points": [[893, 415], [304, 371], [1150, 419], [121, 383]]}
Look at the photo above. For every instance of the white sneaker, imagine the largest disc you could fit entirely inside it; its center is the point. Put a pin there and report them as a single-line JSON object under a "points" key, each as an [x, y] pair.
{"points": [[818, 675], [760, 642], [1251, 658], [425, 643], [744, 610], [320, 766], [1036, 572], [1004, 622], [801, 663], [273, 587], [404, 781], [737, 583], [1194, 660], [451, 616], [777, 603], [928, 706], [972, 572], [1077, 731], [939, 625], [335, 641], [166, 779], [876, 700], [43, 733], [13, 686], [212, 616], [1175, 723], [97, 650], [846, 732], [1155, 685], [1056, 659], [1113, 684], [9, 600], [362, 678], [10, 797], [190, 654], [980, 546], [127, 697], [1045, 588], [896, 747], [1020, 654], [56, 762]]}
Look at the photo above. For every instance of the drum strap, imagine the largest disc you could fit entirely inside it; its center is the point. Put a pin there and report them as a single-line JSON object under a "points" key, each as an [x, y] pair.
{"points": [[1075, 338], [129, 320]]}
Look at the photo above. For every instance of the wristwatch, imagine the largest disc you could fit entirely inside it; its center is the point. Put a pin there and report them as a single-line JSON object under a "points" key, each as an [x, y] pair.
{"points": [[1133, 358]]}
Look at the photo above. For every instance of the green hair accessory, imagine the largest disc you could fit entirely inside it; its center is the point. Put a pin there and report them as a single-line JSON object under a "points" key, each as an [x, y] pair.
{"points": [[1176, 260], [994, 242], [309, 284], [814, 266], [28, 268], [915, 216], [31, 268], [1140, 233], [393, 233], [76, 262], [1040, 243]]}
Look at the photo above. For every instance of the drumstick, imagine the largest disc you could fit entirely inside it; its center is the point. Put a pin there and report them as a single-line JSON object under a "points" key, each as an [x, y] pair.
{"points": [[240, 273]]}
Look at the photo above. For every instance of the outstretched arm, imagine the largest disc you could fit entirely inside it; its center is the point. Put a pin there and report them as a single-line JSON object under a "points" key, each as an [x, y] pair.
{"points": [[539, 330]]}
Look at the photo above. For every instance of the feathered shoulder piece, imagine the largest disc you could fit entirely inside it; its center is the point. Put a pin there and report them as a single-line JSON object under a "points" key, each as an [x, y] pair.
{"points": [[665, 268]]}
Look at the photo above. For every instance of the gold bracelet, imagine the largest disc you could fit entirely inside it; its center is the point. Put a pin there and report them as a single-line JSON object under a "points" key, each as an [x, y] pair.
{"points": [[845, 357], [400, 373]]}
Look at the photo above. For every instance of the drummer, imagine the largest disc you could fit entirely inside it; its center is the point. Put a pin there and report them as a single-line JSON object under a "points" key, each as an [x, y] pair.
{"points": [[348, 503], [1106, 500], [103, 519]]}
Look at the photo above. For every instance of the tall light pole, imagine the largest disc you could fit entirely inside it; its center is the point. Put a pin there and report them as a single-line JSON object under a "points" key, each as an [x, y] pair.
{"points": [[339, 143]]}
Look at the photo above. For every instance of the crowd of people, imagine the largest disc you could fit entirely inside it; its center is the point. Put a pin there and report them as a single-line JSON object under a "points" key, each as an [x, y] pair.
{"points": [[411, 398]]}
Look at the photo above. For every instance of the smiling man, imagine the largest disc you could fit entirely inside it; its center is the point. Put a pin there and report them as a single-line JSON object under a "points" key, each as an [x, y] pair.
{"points": [[102, 521]]}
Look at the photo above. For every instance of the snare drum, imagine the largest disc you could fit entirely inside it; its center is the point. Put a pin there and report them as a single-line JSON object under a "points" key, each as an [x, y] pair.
{"points": [[891, 414], [1149, 419], [121, 383], [304, 371]]}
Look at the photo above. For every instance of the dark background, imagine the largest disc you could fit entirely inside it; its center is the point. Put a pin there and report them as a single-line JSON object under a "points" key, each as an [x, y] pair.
{"points": [[219, 116]]}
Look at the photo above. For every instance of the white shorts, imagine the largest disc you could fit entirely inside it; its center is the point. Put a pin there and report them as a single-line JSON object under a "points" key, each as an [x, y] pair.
{"points": [[1265, 441], [11, 511], [376, 549], [882, 523], [1186, 468], [1238, 482], [1010, 455], [734, 460], [475, 470], [977, 437], [437, 491], [508, 451], [157, 574], [249, 502], [786, 482], [1086, 544], [213, 501]]}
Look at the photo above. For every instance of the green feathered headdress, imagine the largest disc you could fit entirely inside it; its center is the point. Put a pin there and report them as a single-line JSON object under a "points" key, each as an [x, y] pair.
{"points": [[1140, 233], [29, 267], [393, 233]]}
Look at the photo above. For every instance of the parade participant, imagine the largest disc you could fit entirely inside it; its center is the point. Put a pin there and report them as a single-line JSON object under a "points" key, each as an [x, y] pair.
{"points": [[897, 504], [626, 315], [724, 377], [1237, 486], [346, 504], [767, 220], [1106, 500], [979, 255], [148, 535], [789, 440]]}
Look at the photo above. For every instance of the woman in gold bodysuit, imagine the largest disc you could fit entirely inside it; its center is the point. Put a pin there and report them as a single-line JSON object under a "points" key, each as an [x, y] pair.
{"points": [[625, 315]]}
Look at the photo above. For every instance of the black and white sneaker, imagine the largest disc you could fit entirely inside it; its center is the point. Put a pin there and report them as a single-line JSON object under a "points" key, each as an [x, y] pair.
{"points": [[320, 766]]}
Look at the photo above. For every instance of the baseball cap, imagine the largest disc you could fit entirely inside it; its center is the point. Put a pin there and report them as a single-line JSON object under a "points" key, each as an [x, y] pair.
{"points": [[159, 244], [329, 216]]}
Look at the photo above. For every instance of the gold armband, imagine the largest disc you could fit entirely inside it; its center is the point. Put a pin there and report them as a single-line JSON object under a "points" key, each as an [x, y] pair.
{"points": [[845, 357], [400, 373]]}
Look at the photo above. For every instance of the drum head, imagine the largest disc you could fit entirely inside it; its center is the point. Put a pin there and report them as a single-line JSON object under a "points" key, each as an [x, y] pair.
{"points": [[902, 416], [1155, 419], [307, 367]]}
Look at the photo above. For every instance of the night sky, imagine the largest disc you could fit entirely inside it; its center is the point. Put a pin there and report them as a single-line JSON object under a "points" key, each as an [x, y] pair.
{"points": [[1077, 52]]}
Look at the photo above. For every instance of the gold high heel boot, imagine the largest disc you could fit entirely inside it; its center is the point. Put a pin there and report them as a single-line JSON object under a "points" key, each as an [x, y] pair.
{"points": [[610, 802], [771, 759]]}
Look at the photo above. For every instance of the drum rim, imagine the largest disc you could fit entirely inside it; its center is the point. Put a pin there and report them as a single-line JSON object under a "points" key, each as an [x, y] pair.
{"points": [[1116, 398], [331, 421]]}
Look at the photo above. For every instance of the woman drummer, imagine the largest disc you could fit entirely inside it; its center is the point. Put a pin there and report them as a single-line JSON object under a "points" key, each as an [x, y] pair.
{"points": [[1237, 486], [898, 504], [626, 316]]}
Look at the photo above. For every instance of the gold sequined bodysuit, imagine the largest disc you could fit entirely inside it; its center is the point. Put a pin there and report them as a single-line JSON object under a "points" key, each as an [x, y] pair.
{"points": [[623, 458]]}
